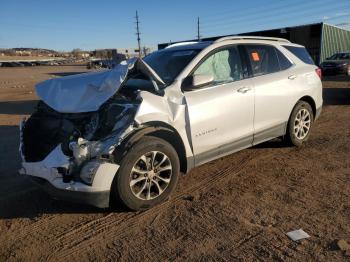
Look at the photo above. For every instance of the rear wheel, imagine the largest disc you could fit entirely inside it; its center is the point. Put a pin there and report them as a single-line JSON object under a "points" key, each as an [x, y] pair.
{"points": [[300, 123], [148, 174]]}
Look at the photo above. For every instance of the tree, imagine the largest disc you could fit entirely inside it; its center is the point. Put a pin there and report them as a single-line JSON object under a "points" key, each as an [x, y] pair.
{"points": [[76, 52]]}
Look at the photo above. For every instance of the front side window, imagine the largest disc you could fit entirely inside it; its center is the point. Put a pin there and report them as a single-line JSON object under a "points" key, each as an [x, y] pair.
{"points": [[168, 64], [263, 59], [224, 65]]}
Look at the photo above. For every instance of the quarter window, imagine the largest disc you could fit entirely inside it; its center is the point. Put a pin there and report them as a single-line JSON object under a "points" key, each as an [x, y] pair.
{"points": [[284, 62], [224, 65]]}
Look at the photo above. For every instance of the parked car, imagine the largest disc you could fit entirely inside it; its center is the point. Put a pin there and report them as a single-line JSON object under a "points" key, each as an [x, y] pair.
{"points": [[11, 64], [338, 63], [127, 133], [26, 63], [99, 64]]}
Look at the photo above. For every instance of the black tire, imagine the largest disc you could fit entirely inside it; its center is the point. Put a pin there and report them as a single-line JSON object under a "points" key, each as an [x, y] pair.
{"points": [[121, 188], [291, 137]]}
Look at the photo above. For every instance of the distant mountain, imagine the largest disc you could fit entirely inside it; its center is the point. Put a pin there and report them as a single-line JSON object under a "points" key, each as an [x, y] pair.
{"points": [[39, 50]]}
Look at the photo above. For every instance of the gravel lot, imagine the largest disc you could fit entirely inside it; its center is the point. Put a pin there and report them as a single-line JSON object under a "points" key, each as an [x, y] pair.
{"points": [[237, 207]]}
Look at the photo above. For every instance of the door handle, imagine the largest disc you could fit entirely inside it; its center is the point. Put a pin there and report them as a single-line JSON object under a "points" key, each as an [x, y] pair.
{"points": [[292, 77], [244, 89]]}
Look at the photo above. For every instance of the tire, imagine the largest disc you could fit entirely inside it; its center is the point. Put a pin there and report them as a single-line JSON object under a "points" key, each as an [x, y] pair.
{"points": [[299, 131], [133, 168]]}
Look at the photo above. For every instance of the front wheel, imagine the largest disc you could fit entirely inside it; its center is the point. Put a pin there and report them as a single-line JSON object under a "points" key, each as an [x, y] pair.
{"points": [[300, 123], [148, 174]]}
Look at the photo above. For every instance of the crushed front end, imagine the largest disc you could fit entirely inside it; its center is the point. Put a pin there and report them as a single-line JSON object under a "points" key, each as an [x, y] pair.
{"points": [[69, 143], [71, 154]]}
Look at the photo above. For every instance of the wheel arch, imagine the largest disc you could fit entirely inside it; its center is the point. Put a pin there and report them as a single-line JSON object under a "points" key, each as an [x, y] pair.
{"points": [[307, 99], [311, 102], [158, 129]]}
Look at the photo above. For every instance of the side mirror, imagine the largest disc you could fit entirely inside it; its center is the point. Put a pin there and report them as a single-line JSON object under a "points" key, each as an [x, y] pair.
{"points": [[196, 81]]}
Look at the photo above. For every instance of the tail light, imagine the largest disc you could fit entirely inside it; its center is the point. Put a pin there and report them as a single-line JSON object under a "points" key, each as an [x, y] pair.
{"points": [[319, 72]]}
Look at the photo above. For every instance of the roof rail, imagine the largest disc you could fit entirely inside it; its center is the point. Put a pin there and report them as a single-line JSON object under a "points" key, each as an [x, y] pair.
{"points": [[252, 38], [182, 43]]}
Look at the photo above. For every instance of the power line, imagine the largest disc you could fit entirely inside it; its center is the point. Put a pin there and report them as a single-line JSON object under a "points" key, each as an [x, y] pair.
{"points": [[265, 7], [138, 33], [272, 13], [269, 18], [247, 12]]}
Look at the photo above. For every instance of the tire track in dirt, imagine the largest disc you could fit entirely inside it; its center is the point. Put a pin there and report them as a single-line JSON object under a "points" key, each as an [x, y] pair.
{"points": [[82, 237], [31, 235]]}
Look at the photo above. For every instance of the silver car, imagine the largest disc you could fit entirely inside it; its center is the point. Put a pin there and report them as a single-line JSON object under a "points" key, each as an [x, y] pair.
{"points": [[127, 133]]}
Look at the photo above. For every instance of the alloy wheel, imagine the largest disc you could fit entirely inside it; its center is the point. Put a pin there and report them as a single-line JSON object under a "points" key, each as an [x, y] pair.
{"points": [[302, 123], [150, 175]]}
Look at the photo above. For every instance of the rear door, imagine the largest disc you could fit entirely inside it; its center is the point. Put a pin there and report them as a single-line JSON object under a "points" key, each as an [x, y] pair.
{"points": [[221, 114], [274, 95]]}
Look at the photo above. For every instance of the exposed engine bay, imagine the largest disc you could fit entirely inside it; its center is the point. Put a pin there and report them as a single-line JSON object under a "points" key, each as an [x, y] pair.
{"points": [[47, 128]]}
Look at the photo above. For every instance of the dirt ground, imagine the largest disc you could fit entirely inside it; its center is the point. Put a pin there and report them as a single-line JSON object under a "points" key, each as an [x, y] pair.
{"points": [[236, 208]]}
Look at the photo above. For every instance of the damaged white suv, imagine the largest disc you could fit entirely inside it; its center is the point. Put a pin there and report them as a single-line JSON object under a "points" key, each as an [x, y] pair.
{"points": [[126, 134]]}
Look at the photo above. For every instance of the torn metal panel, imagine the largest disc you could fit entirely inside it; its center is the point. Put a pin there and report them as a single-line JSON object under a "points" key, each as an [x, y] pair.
{"points": [[170, 108]]}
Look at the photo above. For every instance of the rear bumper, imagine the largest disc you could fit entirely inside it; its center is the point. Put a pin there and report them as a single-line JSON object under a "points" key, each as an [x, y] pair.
{"points": [[98, 199]]}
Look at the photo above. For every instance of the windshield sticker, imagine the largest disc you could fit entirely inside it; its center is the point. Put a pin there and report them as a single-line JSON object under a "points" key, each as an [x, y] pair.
{"points": [[255, 56], [183, 53]]}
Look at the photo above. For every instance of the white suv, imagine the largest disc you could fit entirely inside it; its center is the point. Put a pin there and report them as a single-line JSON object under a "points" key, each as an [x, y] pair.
{"points": [[126, 134]]}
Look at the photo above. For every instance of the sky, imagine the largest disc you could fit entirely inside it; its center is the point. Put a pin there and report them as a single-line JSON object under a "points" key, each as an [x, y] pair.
{"points": [[67, 24]]}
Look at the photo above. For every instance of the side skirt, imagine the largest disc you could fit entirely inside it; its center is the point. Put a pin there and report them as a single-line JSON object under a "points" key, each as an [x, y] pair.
{"points": [[223, 150], [241, 144], [271, 133]]}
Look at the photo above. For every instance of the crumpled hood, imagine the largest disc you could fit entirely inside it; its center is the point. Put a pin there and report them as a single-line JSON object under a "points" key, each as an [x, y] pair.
{"points": [[87, 92]]}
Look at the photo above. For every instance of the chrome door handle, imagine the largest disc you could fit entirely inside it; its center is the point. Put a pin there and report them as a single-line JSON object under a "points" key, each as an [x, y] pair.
{"points": [[292, 77], [244, 89]]}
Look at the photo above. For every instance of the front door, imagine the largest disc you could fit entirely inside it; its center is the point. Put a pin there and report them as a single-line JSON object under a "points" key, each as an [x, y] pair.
{"points": [[221, 114]]}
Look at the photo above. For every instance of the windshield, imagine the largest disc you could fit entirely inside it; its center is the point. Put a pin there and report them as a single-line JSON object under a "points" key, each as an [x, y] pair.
{"points": [[340, 56], [169, 63]]}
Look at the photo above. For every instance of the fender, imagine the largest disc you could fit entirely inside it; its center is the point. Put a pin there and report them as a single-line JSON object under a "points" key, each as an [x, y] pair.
{"points": [[157, 129]]}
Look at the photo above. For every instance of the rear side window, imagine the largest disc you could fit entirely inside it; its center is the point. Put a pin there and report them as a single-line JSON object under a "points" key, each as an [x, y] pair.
{"points": [[301, 53], [284, 62], [263, 59]]}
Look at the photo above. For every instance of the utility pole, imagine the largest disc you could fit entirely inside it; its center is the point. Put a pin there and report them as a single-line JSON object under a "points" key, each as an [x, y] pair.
{"points": [[198, 32], [138, 33]]}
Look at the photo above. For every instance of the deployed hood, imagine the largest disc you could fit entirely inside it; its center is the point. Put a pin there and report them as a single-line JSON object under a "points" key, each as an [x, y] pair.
{"points": [[87, 92]]}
